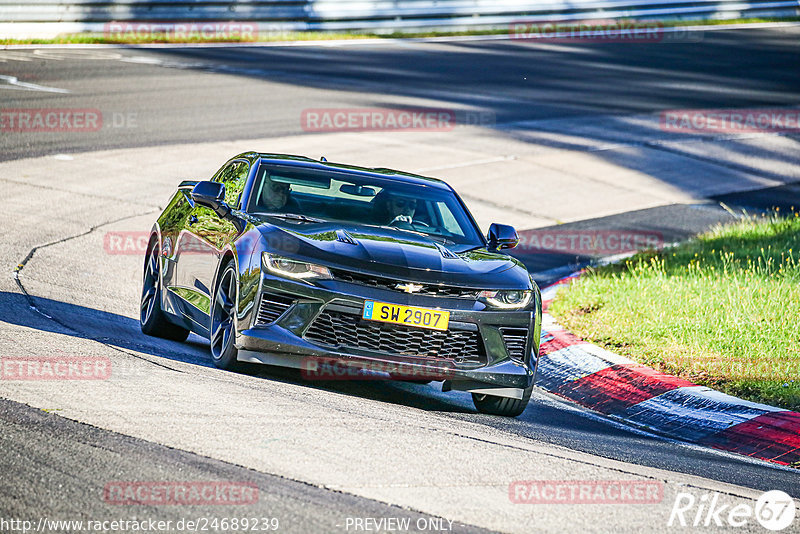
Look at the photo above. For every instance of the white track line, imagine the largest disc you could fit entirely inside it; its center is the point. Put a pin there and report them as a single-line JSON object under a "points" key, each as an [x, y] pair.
{"points": [[14, 83]]}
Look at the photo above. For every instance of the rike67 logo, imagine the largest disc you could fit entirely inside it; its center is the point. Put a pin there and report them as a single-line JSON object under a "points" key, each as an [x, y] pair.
{"points": [[774, 510]]}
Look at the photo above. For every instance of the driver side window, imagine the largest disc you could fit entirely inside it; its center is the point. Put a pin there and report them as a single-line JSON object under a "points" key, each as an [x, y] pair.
{"points": [[233, 176]]}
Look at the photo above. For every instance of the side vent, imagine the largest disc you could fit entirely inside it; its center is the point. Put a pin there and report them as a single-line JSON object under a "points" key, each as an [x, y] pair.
{"points": [[446, 252], [344, 237], [516, 339], [272, 307]]}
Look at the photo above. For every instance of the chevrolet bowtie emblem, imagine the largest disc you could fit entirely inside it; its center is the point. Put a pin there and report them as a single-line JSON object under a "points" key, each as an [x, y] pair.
{"points": [[409, 288]]}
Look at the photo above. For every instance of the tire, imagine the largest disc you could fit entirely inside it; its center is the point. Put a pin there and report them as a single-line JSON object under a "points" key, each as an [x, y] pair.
{"points": [[223, 320], [505, 406], [151, 319]]}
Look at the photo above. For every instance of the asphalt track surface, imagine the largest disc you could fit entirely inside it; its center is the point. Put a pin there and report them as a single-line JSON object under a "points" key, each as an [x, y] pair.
{"points": [[58, 449], [215, 94], [261, 92]]}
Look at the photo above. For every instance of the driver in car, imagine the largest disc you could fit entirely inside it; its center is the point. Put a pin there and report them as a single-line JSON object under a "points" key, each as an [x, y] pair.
{"points": [[276, 196], [398, 208]]}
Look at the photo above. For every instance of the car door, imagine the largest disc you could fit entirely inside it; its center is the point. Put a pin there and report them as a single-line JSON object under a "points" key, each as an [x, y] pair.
{"points": [[201, 244], [171, 224]]}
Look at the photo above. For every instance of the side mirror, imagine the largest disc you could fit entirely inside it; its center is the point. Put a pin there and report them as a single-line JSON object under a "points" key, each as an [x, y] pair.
{"points": [[211, 195], [502, 236]]}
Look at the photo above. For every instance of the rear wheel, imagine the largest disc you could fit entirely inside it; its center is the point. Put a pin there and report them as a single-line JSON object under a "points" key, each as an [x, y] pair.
{"points": [[505, 406], [151, 319], [223, 320]]}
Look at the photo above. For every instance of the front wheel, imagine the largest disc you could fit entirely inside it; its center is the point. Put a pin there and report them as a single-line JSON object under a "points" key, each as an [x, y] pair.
{"points": [[223, 320], [505, 406]]}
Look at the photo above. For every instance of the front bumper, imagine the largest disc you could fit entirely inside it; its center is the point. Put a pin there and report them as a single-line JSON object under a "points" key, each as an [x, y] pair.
{"points": [[285, 339]]}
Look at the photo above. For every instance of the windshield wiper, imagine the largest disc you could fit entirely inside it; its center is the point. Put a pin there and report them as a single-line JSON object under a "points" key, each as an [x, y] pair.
{"points": [[470, 249], [293, 217], [433, 237], [409, 230], [440, 239]]}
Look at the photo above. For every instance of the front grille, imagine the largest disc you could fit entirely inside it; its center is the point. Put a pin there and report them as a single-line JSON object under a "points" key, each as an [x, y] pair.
{"points": [[515, 340], [338, 329], [272, 306], [431, 290]]}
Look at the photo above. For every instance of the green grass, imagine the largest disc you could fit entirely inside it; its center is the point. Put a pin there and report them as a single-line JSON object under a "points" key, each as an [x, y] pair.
{"points": [[722, 310], [99, 38]]}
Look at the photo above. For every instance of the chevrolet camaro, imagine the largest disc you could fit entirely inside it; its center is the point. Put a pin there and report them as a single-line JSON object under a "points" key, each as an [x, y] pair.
{"points": [[288, 261]]}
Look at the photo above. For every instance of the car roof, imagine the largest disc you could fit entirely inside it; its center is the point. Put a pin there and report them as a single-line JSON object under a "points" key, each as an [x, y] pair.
{"points": [[303, 161]]}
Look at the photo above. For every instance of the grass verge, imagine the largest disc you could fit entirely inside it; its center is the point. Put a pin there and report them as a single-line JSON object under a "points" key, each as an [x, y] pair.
{"points": [[722, 310], [99, 38]]}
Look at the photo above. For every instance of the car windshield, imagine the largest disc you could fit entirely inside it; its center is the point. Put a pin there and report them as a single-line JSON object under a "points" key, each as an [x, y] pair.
{"points": [[314, 195]]}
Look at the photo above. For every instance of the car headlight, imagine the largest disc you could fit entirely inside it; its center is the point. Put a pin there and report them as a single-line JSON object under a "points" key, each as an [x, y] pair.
{"points": [[508, 299], [290, 268]]}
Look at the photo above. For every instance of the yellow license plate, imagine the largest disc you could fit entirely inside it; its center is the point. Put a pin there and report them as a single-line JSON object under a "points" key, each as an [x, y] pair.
{"points": [[406, 315]]}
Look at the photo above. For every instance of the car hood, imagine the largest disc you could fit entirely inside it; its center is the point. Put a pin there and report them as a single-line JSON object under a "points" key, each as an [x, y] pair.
{"points": [[393, 253]]}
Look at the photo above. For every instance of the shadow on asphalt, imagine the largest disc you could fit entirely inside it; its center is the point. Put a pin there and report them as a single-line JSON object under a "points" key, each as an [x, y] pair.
{"points": [[544, 420], [124, 333], [578, 82]]}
